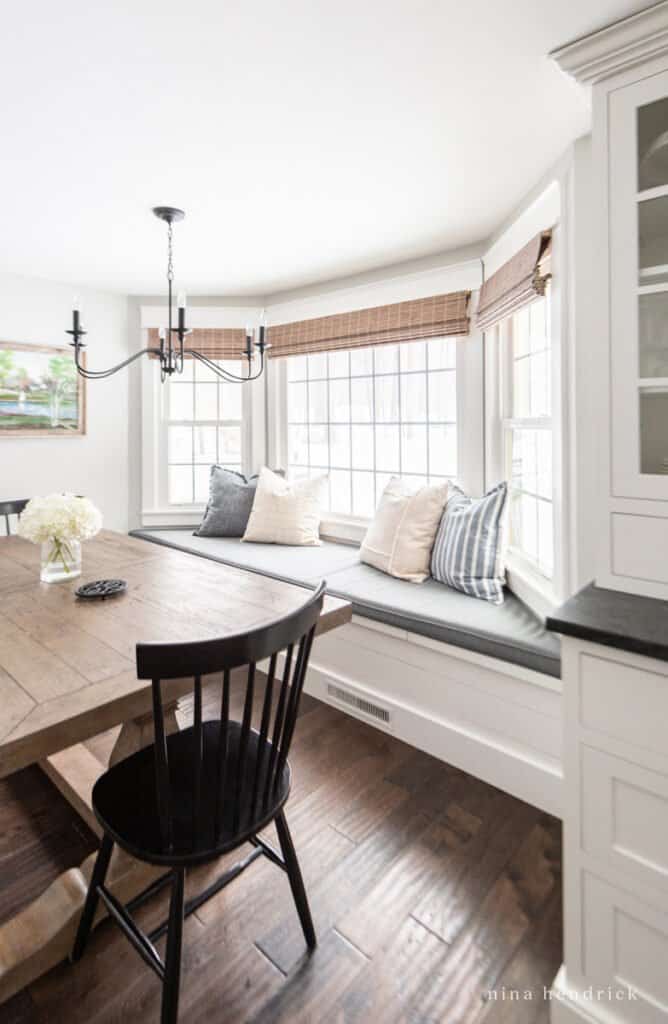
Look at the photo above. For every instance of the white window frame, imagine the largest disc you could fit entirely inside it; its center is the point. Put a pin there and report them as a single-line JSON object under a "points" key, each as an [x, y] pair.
{"points": [[155, 509], [524, 577]]}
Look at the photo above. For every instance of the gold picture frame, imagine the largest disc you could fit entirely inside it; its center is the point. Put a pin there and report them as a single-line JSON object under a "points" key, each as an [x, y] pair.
{"points": [[41, 393]]}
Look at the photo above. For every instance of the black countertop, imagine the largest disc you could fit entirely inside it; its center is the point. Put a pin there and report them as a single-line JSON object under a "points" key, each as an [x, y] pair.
{"points": [[616, 619]]}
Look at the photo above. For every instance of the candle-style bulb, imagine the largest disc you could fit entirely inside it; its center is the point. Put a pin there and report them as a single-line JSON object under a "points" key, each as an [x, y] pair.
{"points": [[181, 300], [76, 304], [161, 333]]}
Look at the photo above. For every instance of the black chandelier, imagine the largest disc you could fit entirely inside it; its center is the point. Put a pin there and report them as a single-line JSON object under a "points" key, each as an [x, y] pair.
{"points": [[171, 352]]}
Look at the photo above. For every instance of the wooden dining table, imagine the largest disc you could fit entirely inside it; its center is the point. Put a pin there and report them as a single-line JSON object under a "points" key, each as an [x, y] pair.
{"points": [[67, 674]]}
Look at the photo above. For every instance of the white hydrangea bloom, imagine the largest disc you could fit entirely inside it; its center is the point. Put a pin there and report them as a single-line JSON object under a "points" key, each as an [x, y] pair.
{"points": [[59, 517]]}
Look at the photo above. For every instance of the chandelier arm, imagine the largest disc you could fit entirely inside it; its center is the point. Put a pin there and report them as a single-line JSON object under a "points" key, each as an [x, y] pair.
{"points": [[226, 374], [100, 374]]}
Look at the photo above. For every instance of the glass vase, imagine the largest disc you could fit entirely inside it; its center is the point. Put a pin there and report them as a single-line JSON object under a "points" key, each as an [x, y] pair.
{"points": [[61, 560]]}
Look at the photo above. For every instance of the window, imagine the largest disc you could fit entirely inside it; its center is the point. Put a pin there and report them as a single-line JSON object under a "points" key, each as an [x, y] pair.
{"points": [[365, 414], [203, 425], [527, 433]]}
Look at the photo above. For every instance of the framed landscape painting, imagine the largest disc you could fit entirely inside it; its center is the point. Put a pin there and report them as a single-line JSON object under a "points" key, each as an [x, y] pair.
{"points": [[41, 393]]}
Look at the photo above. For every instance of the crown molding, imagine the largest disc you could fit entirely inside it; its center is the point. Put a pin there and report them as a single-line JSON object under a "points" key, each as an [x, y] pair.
{"points": [[629, 42]]}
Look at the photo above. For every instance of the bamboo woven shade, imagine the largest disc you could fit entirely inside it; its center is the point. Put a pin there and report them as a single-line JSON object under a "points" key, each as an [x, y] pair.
{"points": [[517, 282], [213, 342], [434, 317]]}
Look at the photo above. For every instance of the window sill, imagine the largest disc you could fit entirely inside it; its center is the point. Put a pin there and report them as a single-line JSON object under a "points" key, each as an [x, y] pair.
{"points": [[530, 586], [344, 530], [173, 515]]}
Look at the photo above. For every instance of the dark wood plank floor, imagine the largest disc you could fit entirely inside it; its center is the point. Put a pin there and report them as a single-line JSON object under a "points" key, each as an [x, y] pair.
{"points": [[436, 898]]}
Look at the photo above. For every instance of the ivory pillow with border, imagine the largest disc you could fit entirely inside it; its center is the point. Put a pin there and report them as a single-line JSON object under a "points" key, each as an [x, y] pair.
{"points": [[401, 535], [286, 512]]}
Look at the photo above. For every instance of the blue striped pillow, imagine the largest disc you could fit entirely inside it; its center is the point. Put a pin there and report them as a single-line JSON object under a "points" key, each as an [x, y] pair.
{"points": [[468, 550]]}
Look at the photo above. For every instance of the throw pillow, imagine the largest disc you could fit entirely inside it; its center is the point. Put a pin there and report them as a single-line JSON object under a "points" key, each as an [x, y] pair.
{"points": [[286, 512], [468, 552], [401, 535], [231, 498]]}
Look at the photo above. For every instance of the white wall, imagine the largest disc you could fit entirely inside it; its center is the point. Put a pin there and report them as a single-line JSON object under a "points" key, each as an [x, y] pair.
{"points": [[38, 312]]}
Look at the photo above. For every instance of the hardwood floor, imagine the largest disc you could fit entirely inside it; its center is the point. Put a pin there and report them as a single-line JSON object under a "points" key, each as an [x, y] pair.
{"points": [[436, 898]]}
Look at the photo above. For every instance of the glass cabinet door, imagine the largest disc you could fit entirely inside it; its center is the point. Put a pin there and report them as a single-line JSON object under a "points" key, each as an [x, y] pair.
{"points": [[638, 225], [652, 199]]}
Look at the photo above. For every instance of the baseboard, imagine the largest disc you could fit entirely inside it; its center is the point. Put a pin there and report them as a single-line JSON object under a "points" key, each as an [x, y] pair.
{"points": [[570, 1005], [517, 771]]}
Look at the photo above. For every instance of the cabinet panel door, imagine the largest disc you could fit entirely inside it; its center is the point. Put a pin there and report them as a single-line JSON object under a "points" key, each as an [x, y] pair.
{"points": [[638, 225]]}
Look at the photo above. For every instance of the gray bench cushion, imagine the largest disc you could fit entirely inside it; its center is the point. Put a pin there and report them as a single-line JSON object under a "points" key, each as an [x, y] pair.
{"points": [[307, 565], [510, 632]]}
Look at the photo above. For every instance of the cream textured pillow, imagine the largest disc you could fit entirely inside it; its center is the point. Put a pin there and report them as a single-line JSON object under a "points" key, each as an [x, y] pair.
{"points": [[401, 536], [284, 512]]}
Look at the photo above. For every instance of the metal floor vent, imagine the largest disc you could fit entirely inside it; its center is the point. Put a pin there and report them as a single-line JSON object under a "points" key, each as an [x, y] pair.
{"points": [[353, 701]]}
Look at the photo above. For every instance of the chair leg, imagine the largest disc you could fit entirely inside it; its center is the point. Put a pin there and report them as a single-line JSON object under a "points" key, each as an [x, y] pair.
{"points": [[92, 897], [170, 991], [296, 880]]}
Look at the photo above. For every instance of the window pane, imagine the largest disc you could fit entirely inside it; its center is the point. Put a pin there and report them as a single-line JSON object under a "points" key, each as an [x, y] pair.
{"points": [[319, 447], [339, 401], [230, 396], [540, 383], [538, 325], [203, 372], [340, 491], [544, 463], [363, 494], [361, 400], [297, 368], [412, 356], [524, 466], [442, 353], [361, 362], [443, 450], [386, 359], [382, 480], [387, 399], [521, 337], [414, 398], [527, 524], [414, 448], [180, 485], [317, 402], [180, 444], [387, 449], [205, 445], [229, 441], [297, 446], [317, 366], [206, 401], [522, 387], [180, 398], [297, 403], [339, 364], [545, 538], [202, 478], [362, 452], [442, 396], [339, 446]]}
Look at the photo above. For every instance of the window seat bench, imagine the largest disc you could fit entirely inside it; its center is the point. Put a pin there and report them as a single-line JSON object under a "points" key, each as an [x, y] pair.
{"points": [[474, 683]]}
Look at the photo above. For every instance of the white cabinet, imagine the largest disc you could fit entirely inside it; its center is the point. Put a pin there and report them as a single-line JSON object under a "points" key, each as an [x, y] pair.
{"points": [[626, 66], [615, 837]]}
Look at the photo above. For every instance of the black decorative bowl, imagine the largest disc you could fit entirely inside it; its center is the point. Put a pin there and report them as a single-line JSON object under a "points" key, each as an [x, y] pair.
{"points": [[101, 589]]}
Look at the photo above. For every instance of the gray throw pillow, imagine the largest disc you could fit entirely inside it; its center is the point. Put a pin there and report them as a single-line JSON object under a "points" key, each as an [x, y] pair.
{"points": [[231, 498], [468, 550]]}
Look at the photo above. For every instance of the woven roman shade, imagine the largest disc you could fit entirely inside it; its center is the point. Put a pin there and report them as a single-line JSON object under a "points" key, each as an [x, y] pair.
{"points": [[213, 342], [517, 282], [434, 317]]}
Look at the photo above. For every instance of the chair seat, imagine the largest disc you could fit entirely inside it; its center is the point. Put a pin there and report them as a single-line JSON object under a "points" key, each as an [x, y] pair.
{"points": [[125, 803]]}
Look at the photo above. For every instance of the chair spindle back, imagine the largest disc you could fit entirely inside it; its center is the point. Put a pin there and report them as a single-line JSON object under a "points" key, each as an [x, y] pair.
{"points": [[236, 767]]}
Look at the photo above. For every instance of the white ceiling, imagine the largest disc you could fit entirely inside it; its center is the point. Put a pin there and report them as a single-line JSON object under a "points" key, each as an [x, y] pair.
{"points": [[305, 138]]}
